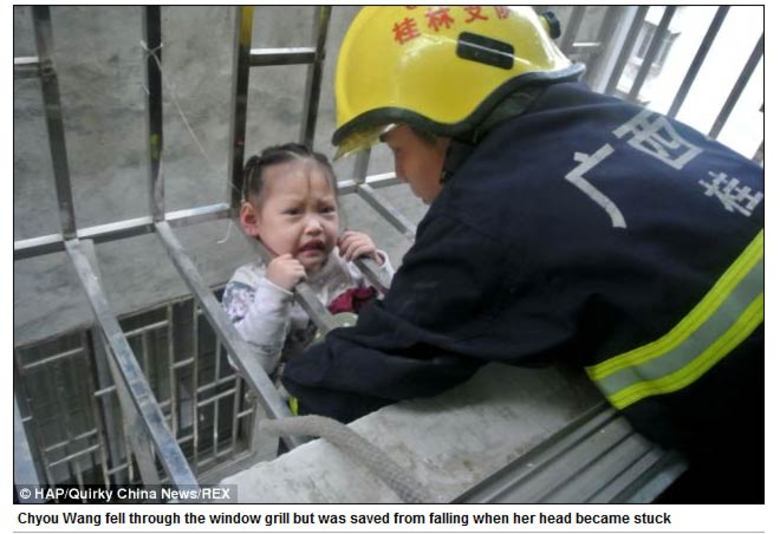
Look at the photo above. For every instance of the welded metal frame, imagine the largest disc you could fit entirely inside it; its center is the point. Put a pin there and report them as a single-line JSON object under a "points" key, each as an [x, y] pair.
{"points": [[698, 60], [54, 123], [572, 29], [739, 86], [314, 76], [573, 464], [652, 53], [145, 424], [139, 406], [626, 50]]}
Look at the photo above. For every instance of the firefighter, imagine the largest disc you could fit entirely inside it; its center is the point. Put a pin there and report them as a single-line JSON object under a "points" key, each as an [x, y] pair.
{"points": [[564, 226]]}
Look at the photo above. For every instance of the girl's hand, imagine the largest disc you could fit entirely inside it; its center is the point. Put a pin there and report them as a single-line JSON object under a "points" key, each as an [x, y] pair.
{"points": [[285, 271], [353, 245]]}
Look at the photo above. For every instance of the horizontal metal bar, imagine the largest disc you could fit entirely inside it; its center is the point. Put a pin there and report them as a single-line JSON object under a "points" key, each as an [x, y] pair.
{"points": [[147, 328], [169, 453], [117, 230], [250, 367], [75, 455], [183, 363], [48, 244], [388, 211], [26, 67], [53, 358], [268, 57], [377, 181], [212, 385], [38, 246], [586, 45], [216, 398], [189, 216], [104, 391], [65, 442]]}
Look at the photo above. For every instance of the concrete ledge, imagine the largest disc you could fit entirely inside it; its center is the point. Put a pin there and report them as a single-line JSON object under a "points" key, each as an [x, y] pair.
{"points": [[449, 443]]}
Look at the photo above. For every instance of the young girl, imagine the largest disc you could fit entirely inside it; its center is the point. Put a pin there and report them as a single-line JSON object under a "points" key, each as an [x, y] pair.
{"points": [[290, 205]]}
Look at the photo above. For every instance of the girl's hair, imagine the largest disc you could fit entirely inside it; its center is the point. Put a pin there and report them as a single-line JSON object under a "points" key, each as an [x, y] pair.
{"points": [[273, 155]]}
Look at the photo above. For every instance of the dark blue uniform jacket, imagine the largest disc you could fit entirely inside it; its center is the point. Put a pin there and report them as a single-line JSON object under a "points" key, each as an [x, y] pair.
{"points": [[577, 232]]}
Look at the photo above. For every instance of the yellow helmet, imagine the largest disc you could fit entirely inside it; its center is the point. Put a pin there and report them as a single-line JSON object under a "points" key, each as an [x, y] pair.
{"points": [[438, 68]]}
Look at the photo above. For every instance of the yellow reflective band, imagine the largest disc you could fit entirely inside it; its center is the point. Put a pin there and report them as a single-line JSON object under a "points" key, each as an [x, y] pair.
{"points": [[679, 358], [292, 402], [724, 286], [688, 374]]}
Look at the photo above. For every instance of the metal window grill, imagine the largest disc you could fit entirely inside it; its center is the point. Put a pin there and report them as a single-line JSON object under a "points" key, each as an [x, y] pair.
{"points": [[150, 397]]}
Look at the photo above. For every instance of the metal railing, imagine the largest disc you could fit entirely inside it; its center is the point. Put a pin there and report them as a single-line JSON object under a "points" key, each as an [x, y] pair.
{"points": [[152, 397]]}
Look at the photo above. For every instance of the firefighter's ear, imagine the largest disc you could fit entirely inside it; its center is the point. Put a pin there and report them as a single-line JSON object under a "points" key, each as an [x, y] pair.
{"points": [[248, 218]]}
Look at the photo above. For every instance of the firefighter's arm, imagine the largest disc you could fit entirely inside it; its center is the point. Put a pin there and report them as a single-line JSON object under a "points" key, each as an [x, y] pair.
{"points": [[412, 344]]}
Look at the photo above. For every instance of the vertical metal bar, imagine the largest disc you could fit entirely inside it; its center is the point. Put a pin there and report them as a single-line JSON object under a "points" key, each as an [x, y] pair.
{"points": [[360, 170], [172, 373], [54, 122], [652, 52], [195, 372], [145, 356], [113, 437], [102, 452], [136, 442], [224, 329], [759, 155], [36, 432], [314, 76], [215, 428], [236, 409], [217, 354], [736, 91], [572, 28], [608, 26], [24, 466], [698, 60], [68, 366], [63, 405], [627, 49], [128, 375], [154, 109], [240, 88], [303, 294]]}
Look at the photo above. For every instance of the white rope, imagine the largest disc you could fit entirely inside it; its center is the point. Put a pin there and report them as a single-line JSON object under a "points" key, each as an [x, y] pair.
{"points": [[356, 447]]}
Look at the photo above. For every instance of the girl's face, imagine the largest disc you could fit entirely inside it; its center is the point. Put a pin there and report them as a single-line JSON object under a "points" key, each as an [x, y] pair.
{"points": [[297, 213]]}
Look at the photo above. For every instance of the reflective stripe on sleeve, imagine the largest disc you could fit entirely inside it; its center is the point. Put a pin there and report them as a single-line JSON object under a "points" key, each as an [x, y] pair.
{"points": [[728, 313]]}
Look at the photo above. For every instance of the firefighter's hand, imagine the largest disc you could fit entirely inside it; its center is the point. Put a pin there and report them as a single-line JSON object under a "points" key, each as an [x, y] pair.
{"points": [[285, 271], [353, 245]]}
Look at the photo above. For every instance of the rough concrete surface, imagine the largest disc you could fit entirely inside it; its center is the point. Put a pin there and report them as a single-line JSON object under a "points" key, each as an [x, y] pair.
{"points": [[449, 442], [99, 59]]}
